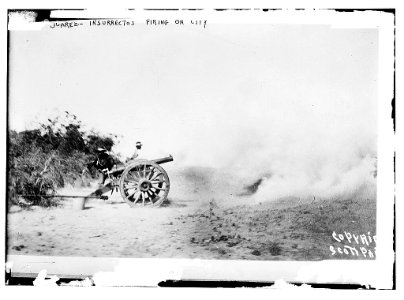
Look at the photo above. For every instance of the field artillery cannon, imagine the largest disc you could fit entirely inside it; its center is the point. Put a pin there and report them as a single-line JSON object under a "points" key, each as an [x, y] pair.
{"points": [[142, 182]]}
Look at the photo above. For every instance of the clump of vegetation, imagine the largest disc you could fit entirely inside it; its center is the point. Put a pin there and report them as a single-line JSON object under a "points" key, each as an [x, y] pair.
{"points": [[44, 159]]}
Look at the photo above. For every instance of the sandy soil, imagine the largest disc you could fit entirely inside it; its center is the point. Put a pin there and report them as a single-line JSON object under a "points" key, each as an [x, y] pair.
{"points": [[196, 222]]}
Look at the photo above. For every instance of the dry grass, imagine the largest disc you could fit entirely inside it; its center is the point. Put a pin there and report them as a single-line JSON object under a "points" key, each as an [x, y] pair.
{"points": [[40, 174]]}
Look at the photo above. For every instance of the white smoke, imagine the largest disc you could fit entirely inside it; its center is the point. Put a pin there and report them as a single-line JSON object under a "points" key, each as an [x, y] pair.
{"points": [[302, 149], [294, 104], [328, 183]]}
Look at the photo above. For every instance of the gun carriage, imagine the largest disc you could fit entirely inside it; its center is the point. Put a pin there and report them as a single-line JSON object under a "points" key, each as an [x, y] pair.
{"points": [[142, 182]]}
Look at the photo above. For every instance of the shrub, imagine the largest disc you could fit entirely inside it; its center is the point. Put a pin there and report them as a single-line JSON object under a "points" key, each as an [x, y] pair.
{"points": [[41, 174], [42, 160]]}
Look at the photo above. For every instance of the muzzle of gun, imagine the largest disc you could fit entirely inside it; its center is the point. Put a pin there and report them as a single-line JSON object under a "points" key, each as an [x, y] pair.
{"points": [[163, 160]]}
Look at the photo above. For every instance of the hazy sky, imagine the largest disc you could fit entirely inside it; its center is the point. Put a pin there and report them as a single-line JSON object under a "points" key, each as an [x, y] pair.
{"points": [[226, 95]]}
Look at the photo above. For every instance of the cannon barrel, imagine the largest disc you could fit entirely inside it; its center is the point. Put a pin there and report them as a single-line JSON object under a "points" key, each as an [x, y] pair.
{"points": [[163, 160]]}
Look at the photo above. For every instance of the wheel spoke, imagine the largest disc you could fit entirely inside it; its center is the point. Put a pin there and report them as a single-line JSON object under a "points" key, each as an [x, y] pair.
{"points": [[144, 171], [131, 183], [127, 189], [153, 194], [156, 181], [137, 197], [158, 188], [151, 174], [132, 192], [155, 175], [148, 196], [137, 172], [157, 192], [133, 175], [130, 188]]}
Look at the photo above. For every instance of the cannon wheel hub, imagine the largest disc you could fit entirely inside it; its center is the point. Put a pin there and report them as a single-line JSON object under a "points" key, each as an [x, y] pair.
{"points": [[145, 185]]}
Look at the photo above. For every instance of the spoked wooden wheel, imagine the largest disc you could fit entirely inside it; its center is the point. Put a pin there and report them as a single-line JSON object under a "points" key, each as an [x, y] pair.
{"points": [[144, 183]]}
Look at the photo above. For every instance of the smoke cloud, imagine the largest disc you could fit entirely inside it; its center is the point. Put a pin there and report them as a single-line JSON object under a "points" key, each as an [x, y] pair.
{"points": [[295, 105], [300, 149]]}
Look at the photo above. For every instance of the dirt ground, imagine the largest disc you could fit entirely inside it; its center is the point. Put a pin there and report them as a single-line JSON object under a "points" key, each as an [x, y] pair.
{"points": [[195, 222]]}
